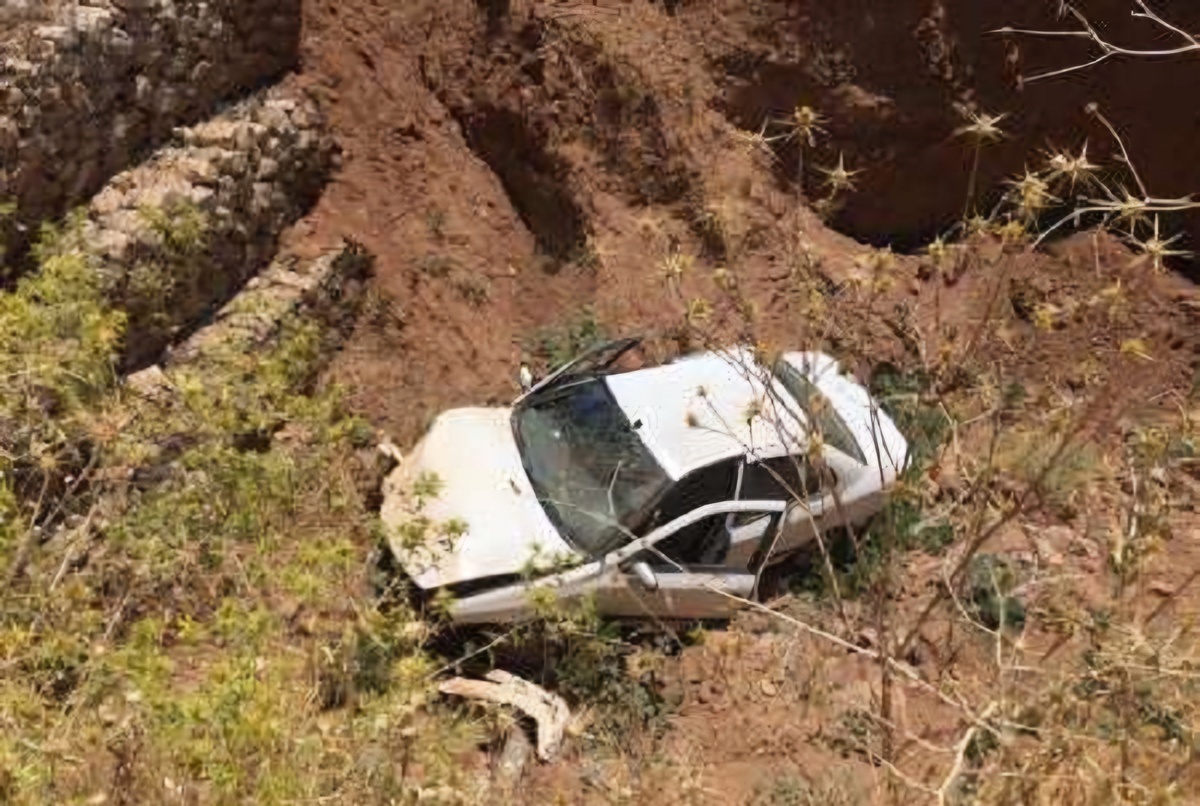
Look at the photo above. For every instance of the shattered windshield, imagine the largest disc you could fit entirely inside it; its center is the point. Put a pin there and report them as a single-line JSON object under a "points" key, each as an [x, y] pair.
{"points": [[588, 465]]}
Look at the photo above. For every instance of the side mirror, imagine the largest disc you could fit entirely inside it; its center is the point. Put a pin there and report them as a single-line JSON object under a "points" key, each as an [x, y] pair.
{"points": [[645, 575]]}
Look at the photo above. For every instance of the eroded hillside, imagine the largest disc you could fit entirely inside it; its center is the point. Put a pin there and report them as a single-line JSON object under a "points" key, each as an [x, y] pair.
{"points": [[197, 365]]}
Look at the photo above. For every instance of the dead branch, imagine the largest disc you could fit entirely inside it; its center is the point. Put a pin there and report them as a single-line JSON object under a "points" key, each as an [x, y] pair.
{"points": [[960, 756], [548, 710], [1108, 49]]}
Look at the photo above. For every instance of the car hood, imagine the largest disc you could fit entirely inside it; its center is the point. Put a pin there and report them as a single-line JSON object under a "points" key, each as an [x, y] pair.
{"points": [[469, 469]]}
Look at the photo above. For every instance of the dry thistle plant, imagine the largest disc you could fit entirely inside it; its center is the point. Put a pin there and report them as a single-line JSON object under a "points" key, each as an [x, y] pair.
{"points": [[980, 129], [838, 180], [1156, 249], [755, 142], [1136, 214], [801, 127], [1073, 170], [1032, 196], [1073, 181], [1116, 206]]}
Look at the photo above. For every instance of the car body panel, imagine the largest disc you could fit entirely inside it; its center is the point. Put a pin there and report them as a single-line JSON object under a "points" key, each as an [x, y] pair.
{"points": [[684, 593], [474, 456], [879, 437], [694, 412]]}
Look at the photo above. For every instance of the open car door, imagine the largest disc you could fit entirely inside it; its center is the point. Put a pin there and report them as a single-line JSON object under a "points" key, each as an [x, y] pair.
{"points": [[592, 362], [632, 585]]}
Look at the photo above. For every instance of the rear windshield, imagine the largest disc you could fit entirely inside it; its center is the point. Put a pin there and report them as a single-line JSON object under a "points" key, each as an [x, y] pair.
{"points": [[833, 429]]}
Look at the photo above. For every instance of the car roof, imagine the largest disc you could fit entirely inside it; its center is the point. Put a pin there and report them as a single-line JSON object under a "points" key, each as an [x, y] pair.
{"points": [[696, 411]]}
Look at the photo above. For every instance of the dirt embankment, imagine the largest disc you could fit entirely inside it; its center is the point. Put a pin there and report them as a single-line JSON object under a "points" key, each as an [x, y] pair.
{"points": [[540, 157], [518, 169], [891, 78]]}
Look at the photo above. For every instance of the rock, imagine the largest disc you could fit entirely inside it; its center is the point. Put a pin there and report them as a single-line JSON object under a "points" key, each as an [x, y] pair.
{"points": [[151, 383], [267, 168], [200, 72], [60, 35], [144, 91], [116, 77], [10, 135]]}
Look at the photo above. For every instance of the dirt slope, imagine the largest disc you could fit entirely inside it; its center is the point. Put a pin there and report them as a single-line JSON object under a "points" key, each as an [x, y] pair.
{"points": [[508, 174]]}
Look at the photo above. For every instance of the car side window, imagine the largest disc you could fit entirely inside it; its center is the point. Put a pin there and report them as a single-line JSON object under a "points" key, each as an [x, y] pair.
{"points": [[834, 430], [698, 543], [783, 478]]}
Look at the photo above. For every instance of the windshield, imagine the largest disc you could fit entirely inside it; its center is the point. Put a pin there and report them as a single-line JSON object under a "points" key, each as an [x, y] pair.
{"points": [[589, 467]]}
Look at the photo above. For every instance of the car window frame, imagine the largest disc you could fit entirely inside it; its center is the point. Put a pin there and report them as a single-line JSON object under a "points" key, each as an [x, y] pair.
{"points": [[823, 491], [632, 550], [647, 516], [571, 368]]}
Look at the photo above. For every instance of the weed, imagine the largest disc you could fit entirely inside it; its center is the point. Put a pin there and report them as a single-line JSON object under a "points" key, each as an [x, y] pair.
{"points": [[437, 266], [981, 129], [473, 287], [587, 256], [435, 220], [802, 128], [592, 665], [152, 625], [790, 789], [990, 584], [559, 344]]}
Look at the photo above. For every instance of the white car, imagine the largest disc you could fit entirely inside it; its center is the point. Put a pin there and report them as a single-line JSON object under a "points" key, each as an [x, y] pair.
{"points": [[658, 491]]}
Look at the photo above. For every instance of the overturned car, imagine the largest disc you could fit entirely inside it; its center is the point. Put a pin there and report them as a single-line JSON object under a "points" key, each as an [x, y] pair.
{"points": [[658, 492]]}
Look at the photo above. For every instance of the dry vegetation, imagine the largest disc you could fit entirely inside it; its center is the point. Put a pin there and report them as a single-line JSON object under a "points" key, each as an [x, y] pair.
{"points": [[195, 611]]}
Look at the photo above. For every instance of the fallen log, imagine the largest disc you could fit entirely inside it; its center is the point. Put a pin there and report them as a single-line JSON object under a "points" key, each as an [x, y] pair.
{"points": [[549, 711]]}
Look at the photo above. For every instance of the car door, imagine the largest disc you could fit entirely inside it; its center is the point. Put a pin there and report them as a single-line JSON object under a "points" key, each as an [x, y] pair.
{"points": [[592, 361], [810, 493], [674, 580]]}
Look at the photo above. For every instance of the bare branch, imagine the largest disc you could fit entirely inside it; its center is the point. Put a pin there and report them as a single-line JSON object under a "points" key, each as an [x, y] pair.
{"points": [[960, 756], [1094, 110], [1146, 13], [1108, 49]]}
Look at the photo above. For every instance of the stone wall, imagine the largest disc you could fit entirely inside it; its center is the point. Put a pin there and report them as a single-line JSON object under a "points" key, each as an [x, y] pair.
{"points": [[84, 94], [177, 236], [326, 291]]}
